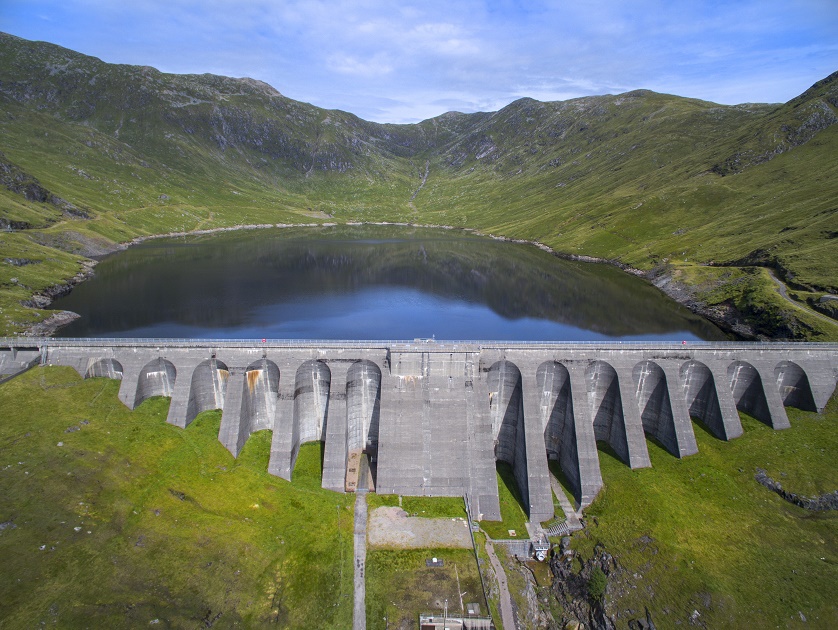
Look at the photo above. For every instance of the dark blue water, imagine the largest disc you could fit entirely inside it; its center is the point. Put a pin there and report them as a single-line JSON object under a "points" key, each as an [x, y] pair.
{"points": [[367, 283]]}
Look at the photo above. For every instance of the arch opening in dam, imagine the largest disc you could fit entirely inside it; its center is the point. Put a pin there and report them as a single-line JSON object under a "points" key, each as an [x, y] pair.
{"points": [[434, 419], [249, 403], [606, 404], [553, 382], [363, 405], [105, 368], [793, 385], [261, 390], [506, 411], [664, 418], [312, 386], [702, 398], [748, 391], [207, 389], [157, 378]]}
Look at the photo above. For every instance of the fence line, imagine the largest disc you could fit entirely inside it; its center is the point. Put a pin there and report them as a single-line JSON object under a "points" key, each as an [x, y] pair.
{"points": [[428, 345]]}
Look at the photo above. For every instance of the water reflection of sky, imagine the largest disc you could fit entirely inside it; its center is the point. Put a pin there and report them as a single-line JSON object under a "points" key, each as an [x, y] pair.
{"points": [[399, 313], [367, 283]]}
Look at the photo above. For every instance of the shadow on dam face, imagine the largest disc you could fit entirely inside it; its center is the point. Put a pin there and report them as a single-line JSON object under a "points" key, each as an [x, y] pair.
{"points": [[655, 405], [363, 407], [793, 385], [107, 368], [311, 401], [261, 389], [157, 378], [506, 410], [553, 381], [208, 388], [748, 392], [606, 403], [702, 399]]}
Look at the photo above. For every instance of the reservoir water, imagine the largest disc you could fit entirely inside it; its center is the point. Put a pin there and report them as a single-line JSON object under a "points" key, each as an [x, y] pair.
{"points": [[367, 282]]}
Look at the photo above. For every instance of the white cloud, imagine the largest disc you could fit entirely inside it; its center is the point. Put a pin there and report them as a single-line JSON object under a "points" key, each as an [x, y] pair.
{"points": [[375, 66]]}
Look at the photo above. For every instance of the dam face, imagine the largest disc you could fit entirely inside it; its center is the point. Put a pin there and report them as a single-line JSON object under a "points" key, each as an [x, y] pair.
{"points": [[433, 419]]}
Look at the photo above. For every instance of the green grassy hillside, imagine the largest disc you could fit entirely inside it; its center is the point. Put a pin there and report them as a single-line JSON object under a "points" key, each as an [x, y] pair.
{"points": [[112, 518], [95, 154], [700, 534]]}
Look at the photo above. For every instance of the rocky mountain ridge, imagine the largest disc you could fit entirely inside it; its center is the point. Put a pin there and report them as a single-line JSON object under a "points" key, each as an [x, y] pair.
{"points": [[642, 178]]}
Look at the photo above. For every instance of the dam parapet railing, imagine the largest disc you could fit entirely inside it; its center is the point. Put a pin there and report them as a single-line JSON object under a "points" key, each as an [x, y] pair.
{"points": [[430, 344], [434, 417]]}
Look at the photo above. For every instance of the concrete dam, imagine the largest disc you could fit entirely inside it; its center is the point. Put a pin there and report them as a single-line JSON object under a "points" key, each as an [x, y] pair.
{"points": [[429, 418]]}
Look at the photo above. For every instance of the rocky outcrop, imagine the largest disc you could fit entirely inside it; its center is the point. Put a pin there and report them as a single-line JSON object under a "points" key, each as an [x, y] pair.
{"points": [[52, 323], [44, 298], [724, 315], [18, 181], [573, 591], [820, 503]]}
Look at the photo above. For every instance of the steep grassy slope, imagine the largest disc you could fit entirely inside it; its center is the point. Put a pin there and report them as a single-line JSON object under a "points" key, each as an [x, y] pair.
{"points": [[95, 154]]}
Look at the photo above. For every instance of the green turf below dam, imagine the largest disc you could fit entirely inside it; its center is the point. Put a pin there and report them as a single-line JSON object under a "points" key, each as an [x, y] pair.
{"points": [[182, 533]]}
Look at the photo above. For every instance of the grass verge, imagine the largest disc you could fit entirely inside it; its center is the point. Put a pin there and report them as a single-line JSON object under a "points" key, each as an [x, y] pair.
{"points": [[511, 507], [424, 507]]}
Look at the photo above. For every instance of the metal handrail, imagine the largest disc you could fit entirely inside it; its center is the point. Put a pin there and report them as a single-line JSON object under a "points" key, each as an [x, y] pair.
{"points": [[57, 342]]}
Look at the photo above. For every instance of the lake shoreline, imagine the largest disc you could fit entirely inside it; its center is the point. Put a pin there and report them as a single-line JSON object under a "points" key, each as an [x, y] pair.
{"points": [[726, 321]]}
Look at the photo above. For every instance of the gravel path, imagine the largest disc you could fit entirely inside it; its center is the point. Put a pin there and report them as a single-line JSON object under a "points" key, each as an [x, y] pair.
{"points": [[359, 617], [781, 289], [506, 615]]}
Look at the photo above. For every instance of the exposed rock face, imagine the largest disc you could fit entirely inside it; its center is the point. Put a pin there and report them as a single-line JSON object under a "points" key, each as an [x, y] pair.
{"points": [[820, 503], [572, 589], [44, 298], [807, 115], [18, 181], [725, 315], [52, 323]]}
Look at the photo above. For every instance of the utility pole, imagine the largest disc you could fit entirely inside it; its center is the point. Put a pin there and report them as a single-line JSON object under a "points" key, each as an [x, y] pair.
{"points": [[445, 615], [462, 608]]}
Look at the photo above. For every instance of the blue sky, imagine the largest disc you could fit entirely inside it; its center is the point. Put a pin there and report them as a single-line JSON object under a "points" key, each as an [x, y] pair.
{"points": [[392, 61]]}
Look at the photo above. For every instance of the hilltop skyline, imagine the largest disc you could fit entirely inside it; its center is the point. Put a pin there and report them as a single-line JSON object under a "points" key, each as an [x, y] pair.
{"points": [[416, 61]]}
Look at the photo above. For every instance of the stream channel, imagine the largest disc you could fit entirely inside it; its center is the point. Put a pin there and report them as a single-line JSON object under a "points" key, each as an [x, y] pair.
{"points": [[368, 283]]}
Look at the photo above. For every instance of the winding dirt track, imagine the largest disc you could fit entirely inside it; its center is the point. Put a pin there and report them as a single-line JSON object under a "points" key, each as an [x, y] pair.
{"points": [[781, 289]]}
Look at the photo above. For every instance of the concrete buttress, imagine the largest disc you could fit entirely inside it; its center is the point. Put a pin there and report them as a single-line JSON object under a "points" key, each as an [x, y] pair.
{"points": [[586, 475], [231, 434], [482, 482], [684, 432], [434, 418], [180, 394], [638, 451], [334, 458], [540, 494]]}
